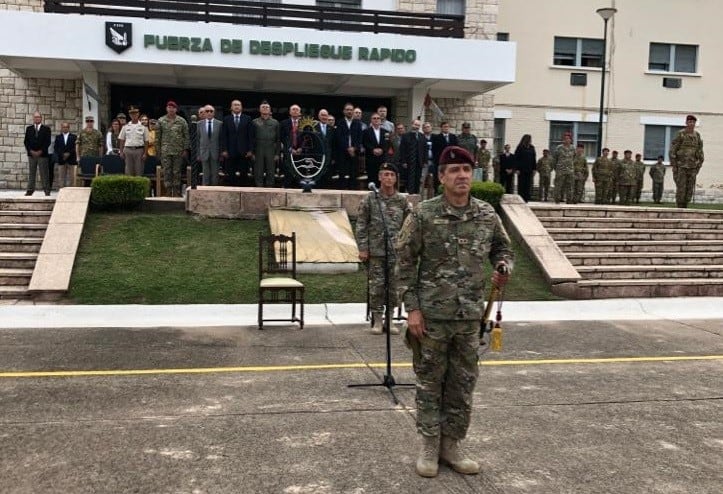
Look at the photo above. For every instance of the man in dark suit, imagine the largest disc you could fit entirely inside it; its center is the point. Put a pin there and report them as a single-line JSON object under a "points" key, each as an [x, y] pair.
{"points": [[412, 157], [290, 141], [37, 142], [327, 133], [64, 154], [237, 145], [348, 143], [439, 142], [376, 145]]}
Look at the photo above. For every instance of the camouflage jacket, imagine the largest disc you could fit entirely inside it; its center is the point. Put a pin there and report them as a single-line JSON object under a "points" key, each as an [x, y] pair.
{"points": [[441, 252], [657, 173], [615, 167], [602, 169], [544, 166], [628, 174], [580, 167], [639, 170], [686, 150], [468, 142], [562, 159], [89, 143], [171, 136], [483, 158], [369, 226]]}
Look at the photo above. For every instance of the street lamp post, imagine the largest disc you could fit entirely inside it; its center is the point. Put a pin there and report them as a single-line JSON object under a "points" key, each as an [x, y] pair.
{"points": [[606, 13]]}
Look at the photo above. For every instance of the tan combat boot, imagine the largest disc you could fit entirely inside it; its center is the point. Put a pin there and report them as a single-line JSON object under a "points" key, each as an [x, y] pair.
{"points": [[378, 326], [451, 455], [428, 461]]}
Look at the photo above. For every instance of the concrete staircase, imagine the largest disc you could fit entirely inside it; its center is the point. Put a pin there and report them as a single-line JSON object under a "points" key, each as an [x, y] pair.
{"points": [[638, 252], [23, 223]]}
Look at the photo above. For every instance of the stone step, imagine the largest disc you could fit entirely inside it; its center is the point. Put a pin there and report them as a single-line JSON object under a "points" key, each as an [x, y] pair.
{"points": [[14, 292], [608, 246], [656, 287], [25, 216], [26, 204], [23, 229], [642, 223], [622, 234], [636, 272], [15, 277], [18, 260], [20, 244], [597, 211], [644, 258]]}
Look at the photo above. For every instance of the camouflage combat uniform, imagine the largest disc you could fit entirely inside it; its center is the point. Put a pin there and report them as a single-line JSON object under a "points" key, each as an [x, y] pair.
{"points": [[483, 161], [171, 141], [370, 238], [686, 158], [441, 252], [468, 142], [626, 181], [615, 166], [544, 168], [89, 143], [657, 173], [581, 174], [639, 174], [562, 163], [602, 175]]}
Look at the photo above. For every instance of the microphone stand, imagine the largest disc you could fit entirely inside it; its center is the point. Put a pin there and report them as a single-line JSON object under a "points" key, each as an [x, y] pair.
{"points": [[388, 379]]}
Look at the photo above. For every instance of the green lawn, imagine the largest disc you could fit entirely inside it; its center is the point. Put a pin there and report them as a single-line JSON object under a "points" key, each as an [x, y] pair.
{"points": [[142, 258]]}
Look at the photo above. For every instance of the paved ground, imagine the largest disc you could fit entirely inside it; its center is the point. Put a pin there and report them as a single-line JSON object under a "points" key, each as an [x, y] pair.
{"points": [[597, 406]]}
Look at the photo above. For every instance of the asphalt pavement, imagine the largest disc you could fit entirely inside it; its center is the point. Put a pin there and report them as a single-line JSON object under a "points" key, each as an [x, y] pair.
{"points": [[585, 397]]}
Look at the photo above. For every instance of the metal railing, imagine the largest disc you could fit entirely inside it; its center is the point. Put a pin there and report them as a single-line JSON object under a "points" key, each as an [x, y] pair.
{"points": [[272, 15]]}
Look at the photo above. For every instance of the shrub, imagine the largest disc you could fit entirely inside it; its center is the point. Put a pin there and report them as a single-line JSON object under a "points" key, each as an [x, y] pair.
{"points": [[490, 192], [118, 192]]}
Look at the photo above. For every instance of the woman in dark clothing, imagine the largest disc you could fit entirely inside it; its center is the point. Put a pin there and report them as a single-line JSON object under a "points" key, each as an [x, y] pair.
{"points": [[525, 163]]}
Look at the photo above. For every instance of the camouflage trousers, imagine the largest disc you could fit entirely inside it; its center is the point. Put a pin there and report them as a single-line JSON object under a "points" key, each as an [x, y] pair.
{"points": [[638, 189], [657, 191], [602, 190], [684, 185], [376, 284], [544, 186], [564, 186], [613, 191], [578, 193], [171, 166], [627, 193], [447, 371]]}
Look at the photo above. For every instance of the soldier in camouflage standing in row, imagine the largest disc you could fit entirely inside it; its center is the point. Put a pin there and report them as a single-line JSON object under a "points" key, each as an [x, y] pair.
{"points": [[370, 240], [657, 173], [467, 139], [615, 166], [90, 141], [172, 144], [483, 159], [639, 174], [562, 163], [686, 158], [581, 174], [441, 250], [544, 169], [602, 177], [627, 178]]}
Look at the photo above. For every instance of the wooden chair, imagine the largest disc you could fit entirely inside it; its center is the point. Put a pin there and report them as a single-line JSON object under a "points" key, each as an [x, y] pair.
{"points": [[152, 171], [88, 169], [277, 276], [112, 164]]}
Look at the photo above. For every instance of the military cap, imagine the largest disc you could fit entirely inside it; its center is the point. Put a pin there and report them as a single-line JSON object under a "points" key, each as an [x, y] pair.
{"points": [[691, 117], [388, 167], [122, 115], [172, 103], [455, 154], [133, 109], [89, 118], [466, 125]]}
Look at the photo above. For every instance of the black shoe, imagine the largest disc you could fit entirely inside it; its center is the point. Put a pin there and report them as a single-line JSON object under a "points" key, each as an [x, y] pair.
{"points": [[29, 192]]}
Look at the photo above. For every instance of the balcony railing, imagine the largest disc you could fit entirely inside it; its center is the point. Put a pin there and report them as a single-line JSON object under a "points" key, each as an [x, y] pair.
{"points": [[272, 15]]}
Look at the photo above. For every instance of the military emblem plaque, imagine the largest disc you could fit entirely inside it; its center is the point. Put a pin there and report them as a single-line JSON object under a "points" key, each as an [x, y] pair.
{"points": [[119, 36]]}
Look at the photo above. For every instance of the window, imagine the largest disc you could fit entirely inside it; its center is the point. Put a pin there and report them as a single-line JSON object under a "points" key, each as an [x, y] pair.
{"points": [[578, 52], [347, 4], [503, 36], [673, 58], [499, 142], [657, 140], [584, 133], [450, 7]]}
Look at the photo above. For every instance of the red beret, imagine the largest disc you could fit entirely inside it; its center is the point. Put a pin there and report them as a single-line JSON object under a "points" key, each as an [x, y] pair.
{"points": [[172, 103], [691, 117], [455, 154]]}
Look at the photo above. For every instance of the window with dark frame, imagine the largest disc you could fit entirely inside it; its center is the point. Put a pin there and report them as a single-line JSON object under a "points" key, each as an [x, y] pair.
{"points": [[451, 7], [584, 133], [577, 52], [657, 140], [666, 57], [499, 140]]}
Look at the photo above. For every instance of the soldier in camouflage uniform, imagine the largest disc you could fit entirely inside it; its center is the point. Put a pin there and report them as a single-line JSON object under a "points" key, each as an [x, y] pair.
{"points": [[441, 252], [657, 173], [562, 163], [615, 166], [370, 240], [544, 169], [627, 178], [686, 158], [90, 141], [602, 177], [483, 159], [172, 146], [467, 140], [581, 174], [639, 174]]}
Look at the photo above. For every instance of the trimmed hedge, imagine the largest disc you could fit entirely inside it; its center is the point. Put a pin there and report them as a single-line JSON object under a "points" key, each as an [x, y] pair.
{"points": [[490, 192], [118, 192]]}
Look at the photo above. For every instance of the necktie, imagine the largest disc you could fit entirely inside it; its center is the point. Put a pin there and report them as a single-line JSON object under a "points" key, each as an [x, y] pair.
{"points": [[323, 129], [37, 129], [446, 138], [294, 128], [210, 129], [236, 119]]}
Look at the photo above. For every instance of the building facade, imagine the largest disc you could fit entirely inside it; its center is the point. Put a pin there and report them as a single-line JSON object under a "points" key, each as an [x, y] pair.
{"points": [[664, 62], [63, 65]]}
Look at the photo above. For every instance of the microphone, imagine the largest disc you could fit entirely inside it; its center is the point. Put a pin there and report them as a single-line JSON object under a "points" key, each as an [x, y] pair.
{"points": [[373, 187]]}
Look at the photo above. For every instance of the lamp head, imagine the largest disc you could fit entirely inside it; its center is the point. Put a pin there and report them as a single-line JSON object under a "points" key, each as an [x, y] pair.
{"points": [[606, 13]]}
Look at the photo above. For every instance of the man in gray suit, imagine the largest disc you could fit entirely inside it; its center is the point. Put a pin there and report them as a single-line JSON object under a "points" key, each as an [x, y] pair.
{"points": [[209, 132]]}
